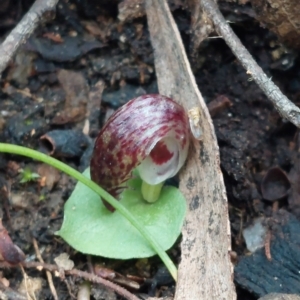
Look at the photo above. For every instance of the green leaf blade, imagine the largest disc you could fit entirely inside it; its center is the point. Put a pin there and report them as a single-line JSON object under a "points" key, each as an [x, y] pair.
{"points": [[90, 228]]}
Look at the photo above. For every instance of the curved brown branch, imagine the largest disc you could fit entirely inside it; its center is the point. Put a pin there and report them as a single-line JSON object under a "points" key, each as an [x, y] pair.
{"points": [[40, 11], [87, 276], [284, 106]]}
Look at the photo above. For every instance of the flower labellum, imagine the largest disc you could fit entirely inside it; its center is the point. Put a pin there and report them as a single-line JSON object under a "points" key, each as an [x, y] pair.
{"points": [[150, 133]]}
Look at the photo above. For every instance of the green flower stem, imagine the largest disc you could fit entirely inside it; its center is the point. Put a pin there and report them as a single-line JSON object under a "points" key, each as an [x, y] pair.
{"points": [[13, 149], [151, 192]]}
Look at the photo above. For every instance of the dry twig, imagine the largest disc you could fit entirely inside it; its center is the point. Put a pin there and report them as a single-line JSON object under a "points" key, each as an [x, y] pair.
{"points": [[48, 274], [268, 245], [74, 272], [283, 105], [26, 284], [40, 11], [205, 271]]}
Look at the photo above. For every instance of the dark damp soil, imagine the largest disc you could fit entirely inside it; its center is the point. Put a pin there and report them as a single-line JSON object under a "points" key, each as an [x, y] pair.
{"points": [[114, 63]]}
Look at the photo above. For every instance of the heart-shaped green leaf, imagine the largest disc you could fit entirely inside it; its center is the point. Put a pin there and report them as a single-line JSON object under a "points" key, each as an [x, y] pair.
{"points": [[90, 228]]}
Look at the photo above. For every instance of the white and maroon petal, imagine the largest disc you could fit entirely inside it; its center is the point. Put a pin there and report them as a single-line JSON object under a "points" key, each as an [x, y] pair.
{"points": [[164, 161], [151, 131]]}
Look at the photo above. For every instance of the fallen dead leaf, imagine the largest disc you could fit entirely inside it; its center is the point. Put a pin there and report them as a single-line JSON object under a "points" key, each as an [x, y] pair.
{"points": [[9, 252], [32, 286], [76, 89], [64, 262], [49, 174], [55, 37]]}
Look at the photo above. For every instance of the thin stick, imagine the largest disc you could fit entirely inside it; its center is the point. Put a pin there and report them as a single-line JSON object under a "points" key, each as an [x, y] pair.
{"points": [[26, 283], [283, 105], [69, 289], [268, 245], [40, 11], [48, 274], [74, 272]]}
